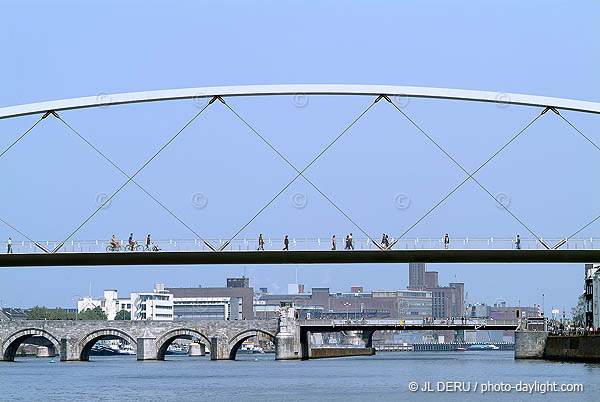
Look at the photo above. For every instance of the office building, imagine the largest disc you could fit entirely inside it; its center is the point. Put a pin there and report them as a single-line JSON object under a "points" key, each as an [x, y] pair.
{"points": [[155, 306], [416, 275], [321, 303], [234, 302], [448, 301]]}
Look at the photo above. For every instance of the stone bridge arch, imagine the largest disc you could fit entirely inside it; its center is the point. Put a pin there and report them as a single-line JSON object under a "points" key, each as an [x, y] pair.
{"points": [[12, 343], [86, 343], [236, 341], [167, 339]]}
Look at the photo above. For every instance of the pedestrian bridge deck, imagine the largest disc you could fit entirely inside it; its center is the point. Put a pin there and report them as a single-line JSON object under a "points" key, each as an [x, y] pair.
{"points": [[298, 257]]}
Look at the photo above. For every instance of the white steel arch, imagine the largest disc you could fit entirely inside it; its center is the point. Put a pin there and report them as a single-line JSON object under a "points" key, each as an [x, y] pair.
{"points": [[291, 89]]}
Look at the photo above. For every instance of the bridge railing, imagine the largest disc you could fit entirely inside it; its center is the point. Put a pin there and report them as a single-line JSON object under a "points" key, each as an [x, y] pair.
{"points": [[440, 322], [307, 243]]}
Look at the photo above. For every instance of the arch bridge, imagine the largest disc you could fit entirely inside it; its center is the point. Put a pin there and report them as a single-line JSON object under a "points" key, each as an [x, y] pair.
{"points": [[378, 96], [73, 340]]}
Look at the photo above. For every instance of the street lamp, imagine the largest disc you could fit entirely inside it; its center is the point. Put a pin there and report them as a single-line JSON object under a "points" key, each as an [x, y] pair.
{"points": [[347, 304], [76, 304]]}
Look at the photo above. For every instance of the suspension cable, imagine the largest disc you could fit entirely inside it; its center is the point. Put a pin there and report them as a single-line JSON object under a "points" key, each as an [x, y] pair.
{"points": [[24, 134], [301, 172], [597, 147], [469, 175], [1, 155], [127, 176], [138, 171]]}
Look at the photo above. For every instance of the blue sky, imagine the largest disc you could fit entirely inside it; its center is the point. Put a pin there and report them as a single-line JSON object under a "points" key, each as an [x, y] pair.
{"points": [[51, 179]]}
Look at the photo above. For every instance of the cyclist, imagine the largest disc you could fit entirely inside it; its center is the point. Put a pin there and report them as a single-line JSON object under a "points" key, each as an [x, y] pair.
{"points": [[113, 243], [148, 242], [131, 241]]}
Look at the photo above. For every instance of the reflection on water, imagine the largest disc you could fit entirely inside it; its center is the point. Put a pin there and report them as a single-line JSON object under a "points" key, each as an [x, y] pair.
{"points": [[384, 377]]}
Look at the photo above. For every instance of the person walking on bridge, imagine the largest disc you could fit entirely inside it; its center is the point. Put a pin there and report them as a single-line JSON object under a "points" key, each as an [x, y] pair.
{"points": [[446, 241], [9, 246], [518, 243], [286, 243], [333, 243], [385, 241], [261, 243], [350, 242]]}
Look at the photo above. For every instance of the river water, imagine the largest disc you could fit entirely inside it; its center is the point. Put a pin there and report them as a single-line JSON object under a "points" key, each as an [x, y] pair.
{"points": [[384, 377]]}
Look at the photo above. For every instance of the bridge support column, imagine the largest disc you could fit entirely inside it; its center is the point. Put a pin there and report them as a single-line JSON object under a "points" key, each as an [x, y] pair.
{"points": [[287, 340], [146, 347], [45, 351], [219, 348], [197, 349], [69, 350]]}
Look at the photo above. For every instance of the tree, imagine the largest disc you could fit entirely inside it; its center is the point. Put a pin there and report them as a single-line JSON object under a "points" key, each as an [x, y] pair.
{"points": [[38, 313], [44, 313], [92, 314], [123, 315], [578, 312]]}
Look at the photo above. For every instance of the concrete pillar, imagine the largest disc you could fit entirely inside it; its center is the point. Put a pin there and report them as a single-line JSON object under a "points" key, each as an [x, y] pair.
{"points": [[287, 340], [367, 338], [146, 347], [44, 351], [219, 348], [530, 344], [197, 349]]}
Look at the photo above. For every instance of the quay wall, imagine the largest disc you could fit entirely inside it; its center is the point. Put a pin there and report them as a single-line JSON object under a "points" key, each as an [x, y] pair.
{"points": [[573, 347], [321, 353]]}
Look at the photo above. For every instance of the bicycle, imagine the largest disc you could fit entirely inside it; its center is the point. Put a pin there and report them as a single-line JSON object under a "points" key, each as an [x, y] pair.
{"points": [[111, 248], [135, 247]]}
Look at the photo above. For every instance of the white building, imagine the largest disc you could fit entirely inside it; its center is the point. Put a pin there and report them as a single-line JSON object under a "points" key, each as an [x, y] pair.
{"points": [[110, 304], [155, 306]]}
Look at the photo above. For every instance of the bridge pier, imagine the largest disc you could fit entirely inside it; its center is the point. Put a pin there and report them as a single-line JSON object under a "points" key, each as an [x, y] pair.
{"points": [[45, 351], [197, 349], [69, 350], [146, 347], [219, 348], [288, 344]]}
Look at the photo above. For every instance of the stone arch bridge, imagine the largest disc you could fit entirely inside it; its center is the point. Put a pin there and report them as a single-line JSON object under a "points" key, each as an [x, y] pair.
{"points": [[73, 340]]}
